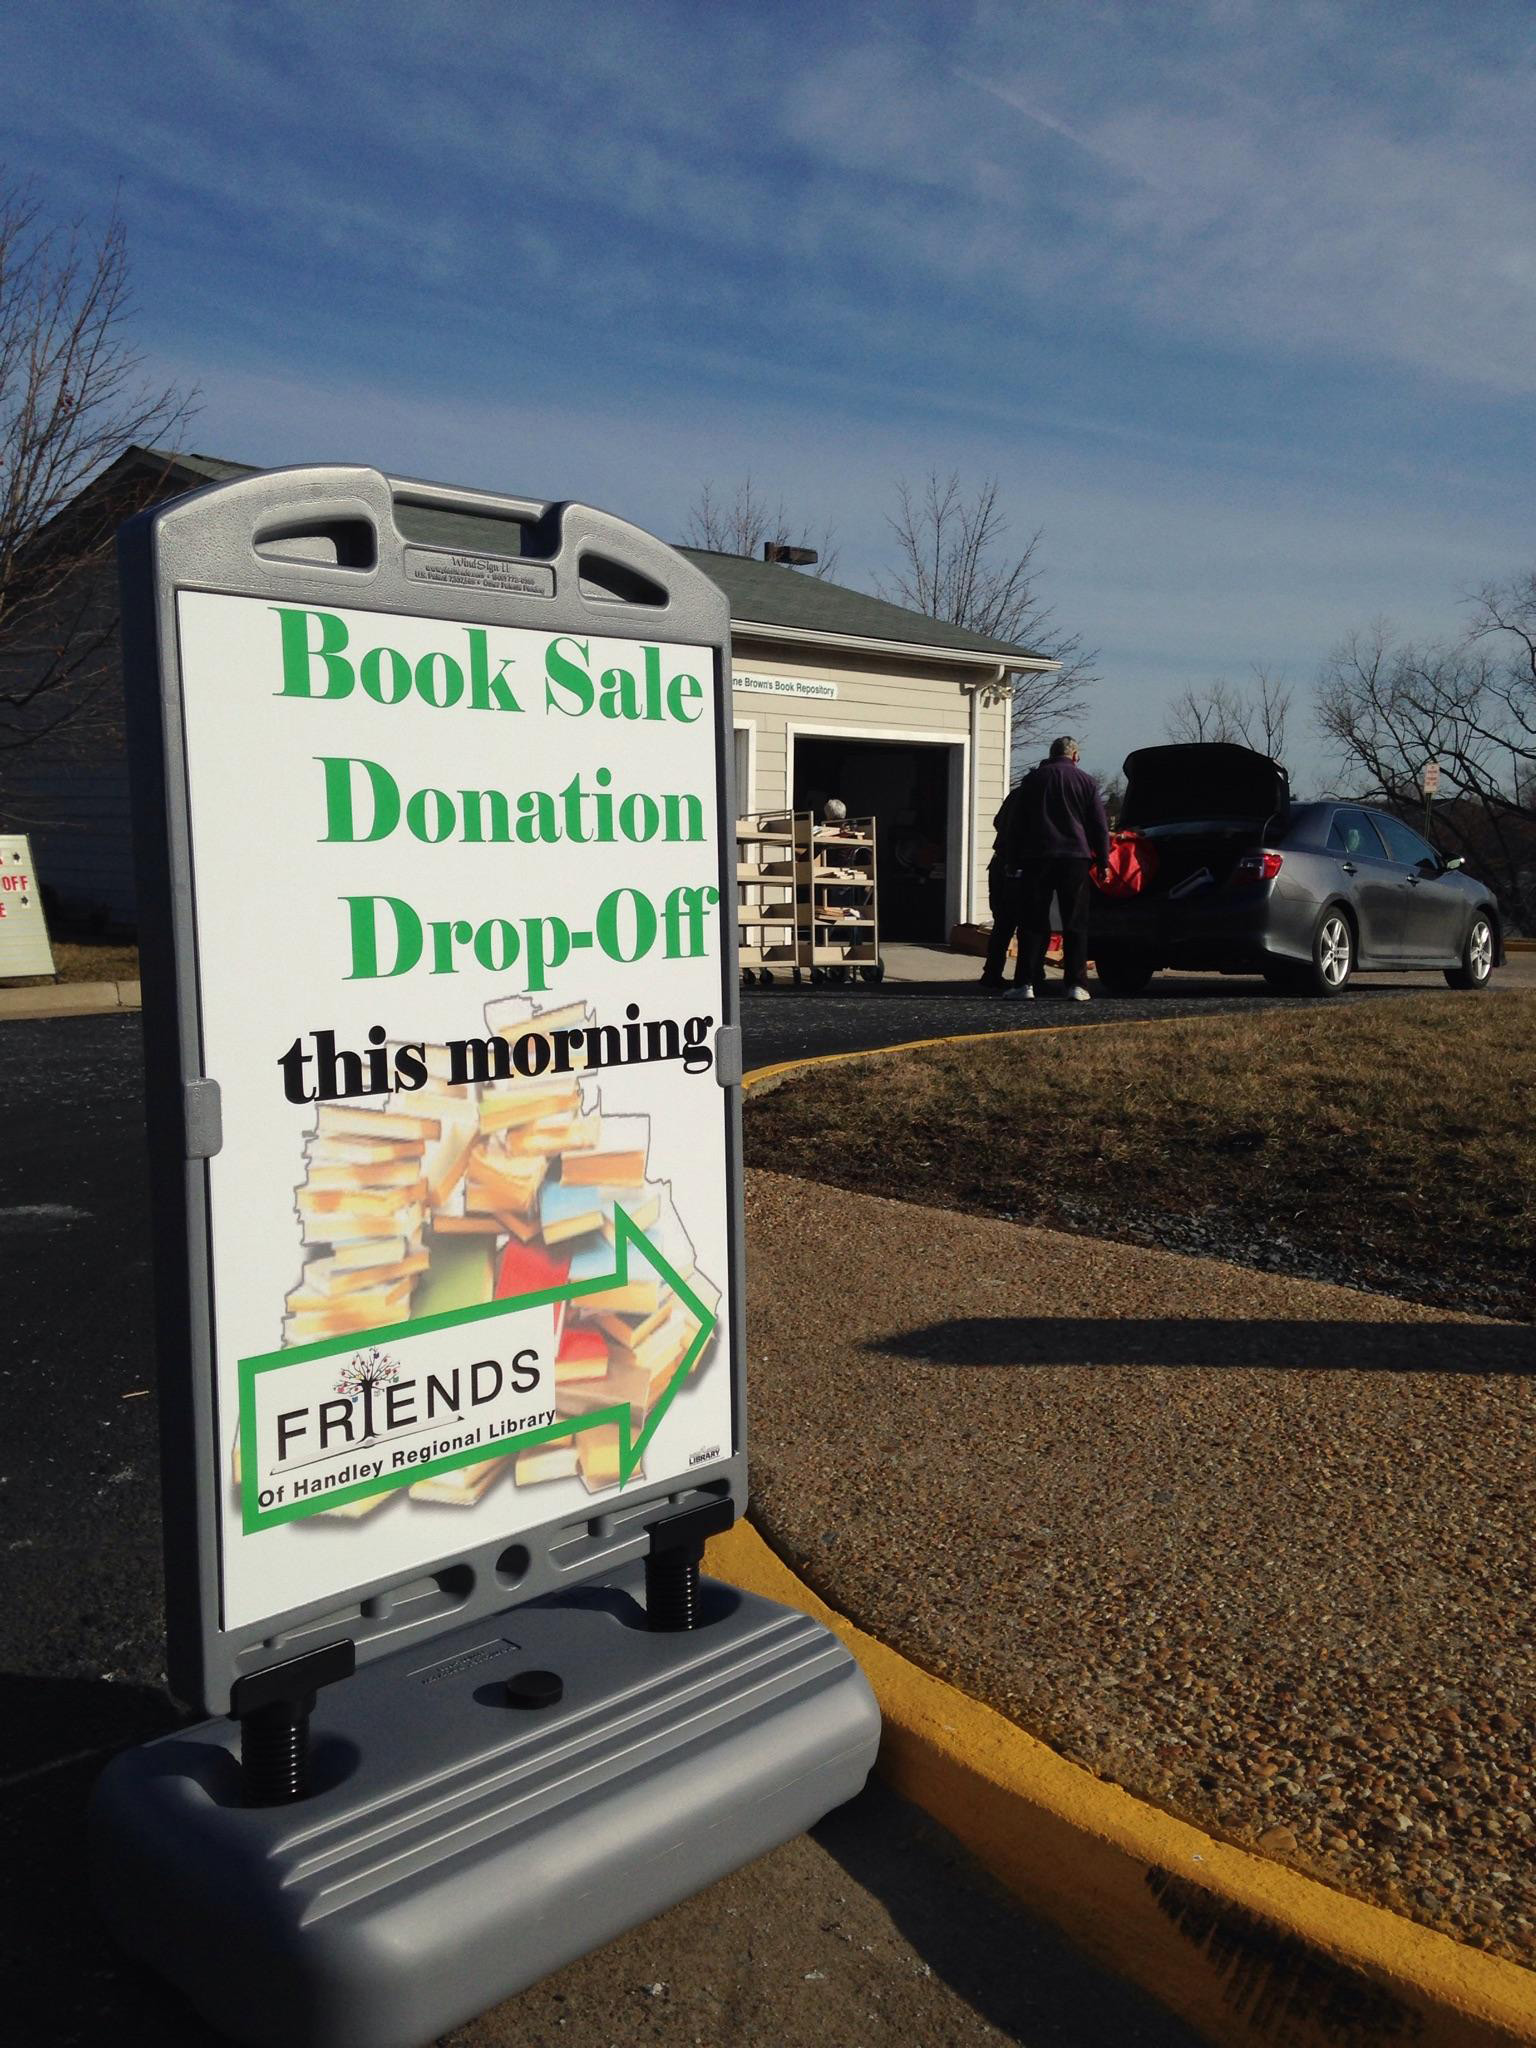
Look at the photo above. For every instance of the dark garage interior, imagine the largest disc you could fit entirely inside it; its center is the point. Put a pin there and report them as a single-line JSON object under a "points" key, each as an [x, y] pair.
{"points": [[905, 788]]}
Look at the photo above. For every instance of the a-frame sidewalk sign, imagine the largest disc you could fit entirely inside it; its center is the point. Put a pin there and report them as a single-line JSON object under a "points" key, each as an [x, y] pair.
{"points": [[434, 818]]}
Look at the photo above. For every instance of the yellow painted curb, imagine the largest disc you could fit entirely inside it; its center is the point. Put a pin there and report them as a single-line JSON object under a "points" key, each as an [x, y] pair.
{"points": [[1246, 1951], [879, 1052]]}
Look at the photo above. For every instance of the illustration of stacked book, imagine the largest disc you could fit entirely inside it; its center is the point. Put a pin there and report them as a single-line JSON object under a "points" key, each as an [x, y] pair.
{"points": [[361, 1208], [461, 1193]]}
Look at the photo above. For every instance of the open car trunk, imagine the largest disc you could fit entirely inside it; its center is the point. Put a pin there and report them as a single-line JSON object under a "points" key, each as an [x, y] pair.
{"points": [[1198, 809]]}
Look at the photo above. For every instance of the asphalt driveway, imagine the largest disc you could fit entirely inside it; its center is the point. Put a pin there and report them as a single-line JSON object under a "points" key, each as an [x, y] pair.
{"points": [[790, 1023]]}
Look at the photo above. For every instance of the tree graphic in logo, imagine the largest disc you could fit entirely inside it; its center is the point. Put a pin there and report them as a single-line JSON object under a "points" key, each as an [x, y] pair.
{"points": [[368, 1371]]}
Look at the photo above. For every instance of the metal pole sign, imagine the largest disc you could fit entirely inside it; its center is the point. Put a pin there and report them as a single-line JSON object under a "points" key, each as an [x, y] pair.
{"points": [[434, 833], [24, 947], [1431, 784], [434, 815]]}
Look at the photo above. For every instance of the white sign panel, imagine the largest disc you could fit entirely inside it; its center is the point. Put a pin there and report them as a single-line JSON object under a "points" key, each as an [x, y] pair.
{"points": [[24, 947], [781, 686], [1431, 777], [459, 975]]}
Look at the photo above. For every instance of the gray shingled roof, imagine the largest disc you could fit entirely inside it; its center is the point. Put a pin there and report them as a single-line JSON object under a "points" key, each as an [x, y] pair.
{"points": [[764, 594], [212, 468], [759, 593]]}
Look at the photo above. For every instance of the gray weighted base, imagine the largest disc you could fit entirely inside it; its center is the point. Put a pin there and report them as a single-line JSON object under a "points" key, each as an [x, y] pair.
{"points": [[457, 1847]]}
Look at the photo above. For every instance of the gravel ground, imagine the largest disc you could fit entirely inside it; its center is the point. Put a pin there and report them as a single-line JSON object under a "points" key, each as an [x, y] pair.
{"points": [[1258, 1549]]}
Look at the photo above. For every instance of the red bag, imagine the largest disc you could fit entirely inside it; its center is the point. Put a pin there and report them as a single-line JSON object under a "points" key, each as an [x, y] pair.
{"points": [[1132, 864]]}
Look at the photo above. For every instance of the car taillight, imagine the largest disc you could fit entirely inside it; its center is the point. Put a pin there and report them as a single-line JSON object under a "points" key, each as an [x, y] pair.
{"points": [[1258, 867]]}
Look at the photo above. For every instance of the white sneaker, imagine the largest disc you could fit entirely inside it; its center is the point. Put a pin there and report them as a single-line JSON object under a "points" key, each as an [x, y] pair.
{"points": [[1021, 992], [1078, 994]]}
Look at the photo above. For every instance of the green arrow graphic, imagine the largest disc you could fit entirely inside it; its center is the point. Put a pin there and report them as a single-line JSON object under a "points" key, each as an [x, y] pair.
{"points": [[627, 1236]]}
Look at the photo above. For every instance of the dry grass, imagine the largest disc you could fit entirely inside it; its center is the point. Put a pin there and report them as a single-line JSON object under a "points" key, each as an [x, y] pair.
{"points": [[81, 961], [1389, 1144]]}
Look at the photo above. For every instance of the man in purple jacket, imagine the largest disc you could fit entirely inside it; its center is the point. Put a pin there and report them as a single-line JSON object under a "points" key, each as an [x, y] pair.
{"points": [[1057, 833]]}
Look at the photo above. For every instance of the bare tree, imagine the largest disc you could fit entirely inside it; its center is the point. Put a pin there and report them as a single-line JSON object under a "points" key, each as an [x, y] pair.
{"points": [[1504, 625], [72, 399], [1392, 706], [1255, 717], [954, 563], [741, 523], [1112, 789], [1204, 717]]}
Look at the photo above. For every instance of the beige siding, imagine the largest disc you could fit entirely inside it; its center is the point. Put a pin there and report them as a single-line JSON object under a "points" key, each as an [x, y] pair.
{"points": [[928, 704], [991, 788]]}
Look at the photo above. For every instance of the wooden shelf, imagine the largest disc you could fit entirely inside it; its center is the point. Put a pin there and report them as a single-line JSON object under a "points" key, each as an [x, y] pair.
{"points": [[830, 873], [767, 910], [835, 881]]}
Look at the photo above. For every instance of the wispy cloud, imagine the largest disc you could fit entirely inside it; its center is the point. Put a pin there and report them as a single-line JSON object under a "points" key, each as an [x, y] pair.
{"points": [[1275, 181], [1264, 179], [1237, 300]]}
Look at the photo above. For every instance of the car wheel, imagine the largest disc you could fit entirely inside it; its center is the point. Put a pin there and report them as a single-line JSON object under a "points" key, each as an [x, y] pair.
{"points": [[1123, 974], [1476, 957], [1333, 955]]}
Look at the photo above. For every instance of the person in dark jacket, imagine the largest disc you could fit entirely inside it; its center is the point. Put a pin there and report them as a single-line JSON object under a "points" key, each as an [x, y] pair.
{"points": [[1057, 834], [1002, 895]]}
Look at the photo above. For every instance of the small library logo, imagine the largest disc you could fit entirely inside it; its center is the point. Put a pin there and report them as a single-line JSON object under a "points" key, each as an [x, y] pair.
{"points": [[361, 1381]]}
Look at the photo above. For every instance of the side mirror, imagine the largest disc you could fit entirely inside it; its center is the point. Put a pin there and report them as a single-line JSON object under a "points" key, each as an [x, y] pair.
{"points": [[1456, 861]]}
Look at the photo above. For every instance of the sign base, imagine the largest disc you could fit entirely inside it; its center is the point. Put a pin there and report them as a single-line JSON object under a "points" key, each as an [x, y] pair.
{"points": [[473, 1826]]}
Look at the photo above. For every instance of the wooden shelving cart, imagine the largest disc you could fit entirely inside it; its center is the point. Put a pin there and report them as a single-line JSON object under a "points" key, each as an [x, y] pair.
{"points": [[838, 929], [766, 912]]}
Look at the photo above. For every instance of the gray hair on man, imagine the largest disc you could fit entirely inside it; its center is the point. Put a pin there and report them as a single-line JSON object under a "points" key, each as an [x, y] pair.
{"points": [[1064, 749]]}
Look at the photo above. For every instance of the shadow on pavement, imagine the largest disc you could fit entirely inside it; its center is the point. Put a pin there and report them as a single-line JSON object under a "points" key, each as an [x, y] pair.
{"points": [[1180, 1341], [1018, 1973], [48, 1721], [64, 1980]]}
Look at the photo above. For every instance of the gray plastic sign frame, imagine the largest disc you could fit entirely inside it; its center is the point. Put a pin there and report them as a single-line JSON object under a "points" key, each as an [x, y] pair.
{"points": [[350, 540]]}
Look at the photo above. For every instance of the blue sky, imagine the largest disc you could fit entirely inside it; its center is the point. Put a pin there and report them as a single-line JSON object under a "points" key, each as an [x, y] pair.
{"points": [[1236, 301]]}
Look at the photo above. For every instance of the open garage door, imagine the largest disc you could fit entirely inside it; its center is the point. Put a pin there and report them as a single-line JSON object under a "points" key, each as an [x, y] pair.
{"points": [[914, 792]]}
